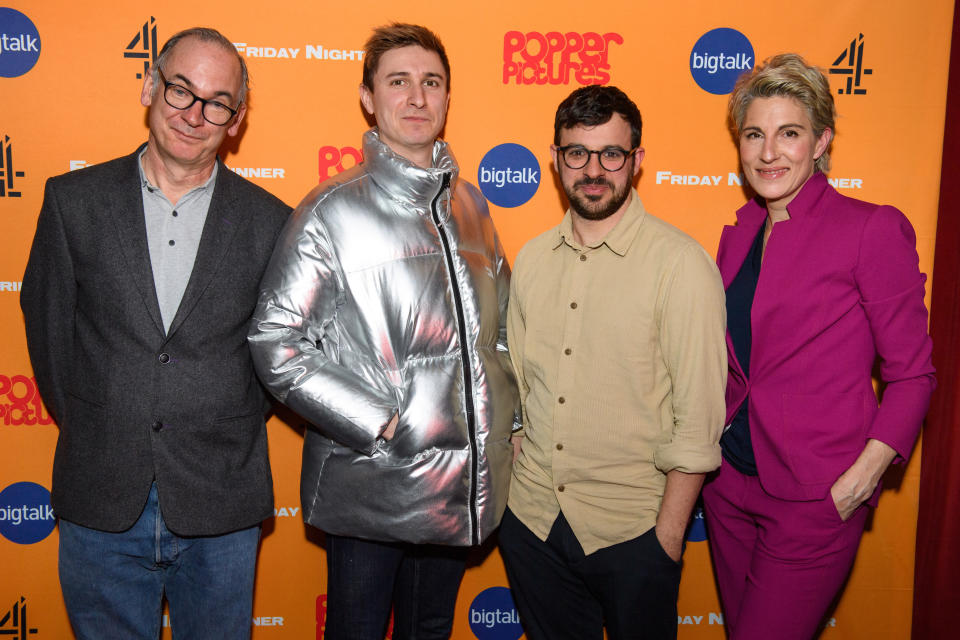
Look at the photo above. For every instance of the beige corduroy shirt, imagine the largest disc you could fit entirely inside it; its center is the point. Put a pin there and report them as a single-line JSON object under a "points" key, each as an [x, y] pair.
{"points": [[620, 355]]}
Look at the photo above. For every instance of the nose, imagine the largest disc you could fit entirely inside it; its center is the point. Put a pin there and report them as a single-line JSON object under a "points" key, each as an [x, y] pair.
{"points": [[768, 152], [593, 167], [417, 95], [194, 114]]}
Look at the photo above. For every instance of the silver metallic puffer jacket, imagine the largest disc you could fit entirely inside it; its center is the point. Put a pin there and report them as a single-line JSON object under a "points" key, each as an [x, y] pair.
{"points": [[388, 292]]}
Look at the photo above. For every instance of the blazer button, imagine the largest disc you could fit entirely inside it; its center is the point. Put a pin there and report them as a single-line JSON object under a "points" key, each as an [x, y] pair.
{"points": [[164, 358], [157, 426]]}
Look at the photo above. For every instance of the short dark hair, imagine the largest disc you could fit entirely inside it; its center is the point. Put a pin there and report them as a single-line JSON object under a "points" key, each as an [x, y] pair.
{"points": [[395, 36], [203, 34], [594, 105]]}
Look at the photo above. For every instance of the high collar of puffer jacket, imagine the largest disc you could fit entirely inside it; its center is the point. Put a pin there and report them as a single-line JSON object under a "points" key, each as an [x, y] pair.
{"points": [[405, 181]]}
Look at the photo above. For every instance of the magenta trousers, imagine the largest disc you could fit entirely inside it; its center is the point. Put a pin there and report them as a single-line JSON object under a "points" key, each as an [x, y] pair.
{"points": [[779, 563]]}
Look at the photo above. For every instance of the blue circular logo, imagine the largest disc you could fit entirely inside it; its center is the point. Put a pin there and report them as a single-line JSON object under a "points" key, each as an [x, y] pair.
{"points": [[25, 513], [493, 615], [19, 43], [698, 529], [509, 175], [719, 58]]}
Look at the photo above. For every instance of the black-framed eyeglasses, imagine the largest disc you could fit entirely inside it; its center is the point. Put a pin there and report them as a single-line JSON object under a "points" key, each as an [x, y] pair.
{"points": [[577, 156], [179, 97]]}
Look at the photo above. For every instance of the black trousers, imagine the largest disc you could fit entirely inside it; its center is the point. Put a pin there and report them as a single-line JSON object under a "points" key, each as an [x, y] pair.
{"points": [[630, 587]]}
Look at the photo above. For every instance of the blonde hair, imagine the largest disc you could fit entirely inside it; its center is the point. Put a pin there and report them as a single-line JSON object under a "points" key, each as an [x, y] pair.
{"points": [[787, 75]]}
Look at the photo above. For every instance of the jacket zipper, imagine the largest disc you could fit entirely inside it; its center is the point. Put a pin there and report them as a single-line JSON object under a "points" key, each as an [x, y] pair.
{"points": [[464, 358]]}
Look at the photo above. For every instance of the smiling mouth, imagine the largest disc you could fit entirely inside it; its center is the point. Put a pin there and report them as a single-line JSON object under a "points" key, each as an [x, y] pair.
{"points": [[772, 174]]}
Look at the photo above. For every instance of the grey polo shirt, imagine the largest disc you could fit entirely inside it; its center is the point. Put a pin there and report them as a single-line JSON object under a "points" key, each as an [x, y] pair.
{"points": [[173, 236]]}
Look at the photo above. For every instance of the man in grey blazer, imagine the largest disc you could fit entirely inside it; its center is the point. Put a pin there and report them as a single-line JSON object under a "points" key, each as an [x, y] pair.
{"points": [[137, 296]]}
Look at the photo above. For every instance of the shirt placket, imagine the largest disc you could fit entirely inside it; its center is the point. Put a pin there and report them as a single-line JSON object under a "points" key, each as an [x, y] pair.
{"points": [[567, 412]]}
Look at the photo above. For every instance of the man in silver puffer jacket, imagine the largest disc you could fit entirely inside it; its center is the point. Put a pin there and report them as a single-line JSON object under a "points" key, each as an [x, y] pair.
{"points": [[381, 321]]}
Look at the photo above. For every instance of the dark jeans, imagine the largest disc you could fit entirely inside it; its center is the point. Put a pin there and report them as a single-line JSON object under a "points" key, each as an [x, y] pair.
{"points": [[365, 577], [114, 583], [561, 593]]}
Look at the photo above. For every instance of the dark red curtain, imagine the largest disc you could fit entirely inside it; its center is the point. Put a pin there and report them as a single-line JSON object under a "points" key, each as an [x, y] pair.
{"points": [[936, 596]]}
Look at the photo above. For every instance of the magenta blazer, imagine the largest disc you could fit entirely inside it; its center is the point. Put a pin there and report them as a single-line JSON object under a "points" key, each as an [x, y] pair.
{"points": [[840, 291]]}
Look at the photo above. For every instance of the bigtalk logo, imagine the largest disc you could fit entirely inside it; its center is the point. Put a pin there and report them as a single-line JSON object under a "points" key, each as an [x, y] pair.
{"points": [[509, 175], [19, 43], [718, 58], [26, 516], [493, 616]]}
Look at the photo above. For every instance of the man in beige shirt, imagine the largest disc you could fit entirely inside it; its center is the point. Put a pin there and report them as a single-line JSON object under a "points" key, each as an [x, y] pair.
{"points": [[617, 334]]}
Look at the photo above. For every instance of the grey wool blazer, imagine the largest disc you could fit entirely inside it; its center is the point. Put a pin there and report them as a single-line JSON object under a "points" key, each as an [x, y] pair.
{"points": [[135, 404]]}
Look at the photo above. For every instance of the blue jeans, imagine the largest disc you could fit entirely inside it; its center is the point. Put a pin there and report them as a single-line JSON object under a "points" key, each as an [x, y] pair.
{"points": [[365, 577], [114, 583]]}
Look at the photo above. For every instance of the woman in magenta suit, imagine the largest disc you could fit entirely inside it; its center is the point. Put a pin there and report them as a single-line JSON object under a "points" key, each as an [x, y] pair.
{"points": [[820, 289]]}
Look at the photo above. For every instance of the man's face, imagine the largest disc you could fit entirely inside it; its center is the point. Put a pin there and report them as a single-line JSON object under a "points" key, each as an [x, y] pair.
{"points": [[183, 137], [409, 101], [594, 192]]}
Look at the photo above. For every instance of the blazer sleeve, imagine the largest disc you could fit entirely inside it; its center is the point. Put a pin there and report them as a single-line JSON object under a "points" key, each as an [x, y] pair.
{"points": [[299, 296], [891, 292], [48, 299]]}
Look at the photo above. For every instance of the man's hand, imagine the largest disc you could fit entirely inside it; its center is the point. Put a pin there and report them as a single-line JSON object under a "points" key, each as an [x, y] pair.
{"points": [[391, 427], [671, 542], [516, 441], [857, 483], [679, 496]]}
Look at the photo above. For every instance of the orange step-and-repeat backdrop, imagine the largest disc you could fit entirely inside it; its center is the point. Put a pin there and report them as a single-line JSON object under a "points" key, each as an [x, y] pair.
{"points": [[70, 77]]}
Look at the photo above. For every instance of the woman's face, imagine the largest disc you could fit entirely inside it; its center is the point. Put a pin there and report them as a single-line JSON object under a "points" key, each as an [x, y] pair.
{"points": [[778, 148]]}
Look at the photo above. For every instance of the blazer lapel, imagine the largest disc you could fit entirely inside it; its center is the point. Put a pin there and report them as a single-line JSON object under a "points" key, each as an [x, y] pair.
{"points": [[124, 201], [224, 218]]}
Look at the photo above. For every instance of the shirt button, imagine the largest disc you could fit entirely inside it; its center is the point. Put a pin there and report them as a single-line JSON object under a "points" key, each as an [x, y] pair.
{"points": [[172, 242], [559, 446], [561, 399], [560, 488], [164, 358], [567, 351], [573, 305], [175, 214], [583, 258], [157, 426]]}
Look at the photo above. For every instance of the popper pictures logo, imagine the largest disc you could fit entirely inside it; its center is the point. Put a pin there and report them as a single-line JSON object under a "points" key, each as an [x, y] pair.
{"points": [[19, 43]]}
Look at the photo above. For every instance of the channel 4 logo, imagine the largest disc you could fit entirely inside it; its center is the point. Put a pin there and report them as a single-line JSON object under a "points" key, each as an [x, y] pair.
{"points": [[850, 64], [8, 175], [143, 47], [718, 58], [19, 43], [26, 516], [509, 175], [493, 616], [14, 621]]}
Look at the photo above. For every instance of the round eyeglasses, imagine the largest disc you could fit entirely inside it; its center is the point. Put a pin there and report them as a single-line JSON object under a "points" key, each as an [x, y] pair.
{"points": [[179, 97], [577, 156]]}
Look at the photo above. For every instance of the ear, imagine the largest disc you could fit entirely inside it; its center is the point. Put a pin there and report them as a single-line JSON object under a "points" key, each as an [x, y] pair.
{"points": [[555, 157], [237, 119], [637, 159], [822, 143], [146, 93], [366, 98]]}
